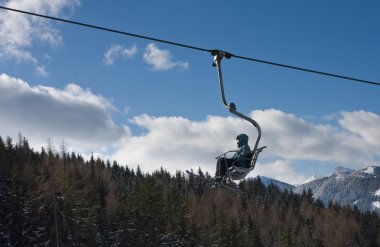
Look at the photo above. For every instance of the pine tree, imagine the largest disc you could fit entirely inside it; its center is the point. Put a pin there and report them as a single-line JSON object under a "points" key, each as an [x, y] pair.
{"points": [[5, 194]]}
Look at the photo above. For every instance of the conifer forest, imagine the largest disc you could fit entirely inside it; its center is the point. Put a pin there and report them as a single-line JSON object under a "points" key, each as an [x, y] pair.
{"points": [[55, 198]]}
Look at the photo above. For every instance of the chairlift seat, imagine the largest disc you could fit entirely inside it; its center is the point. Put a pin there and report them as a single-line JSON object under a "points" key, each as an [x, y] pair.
{"points": [[238, 172]]}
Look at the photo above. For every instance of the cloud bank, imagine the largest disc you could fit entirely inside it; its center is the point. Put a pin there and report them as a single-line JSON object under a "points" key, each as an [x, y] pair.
{"points": [[179, 143], [76, 116], [83, 120], [18, 32]]}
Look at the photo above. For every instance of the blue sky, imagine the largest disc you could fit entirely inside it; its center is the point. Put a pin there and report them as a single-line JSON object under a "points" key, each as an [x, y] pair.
{"points": [[153, 104]]}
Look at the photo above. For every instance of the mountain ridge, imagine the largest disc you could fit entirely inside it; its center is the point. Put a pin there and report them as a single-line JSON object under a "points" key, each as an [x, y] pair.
{"points": [[347, 187], [355, 188], [281, 185]]}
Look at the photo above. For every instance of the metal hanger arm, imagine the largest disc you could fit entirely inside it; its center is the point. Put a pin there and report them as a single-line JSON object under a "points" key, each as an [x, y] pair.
{"points": [[218, 55]]}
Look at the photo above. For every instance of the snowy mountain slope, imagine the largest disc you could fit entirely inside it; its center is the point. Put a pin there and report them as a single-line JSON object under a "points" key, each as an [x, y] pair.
{"points": [[348, 187], [342, 172], [281, 185], [372, 170], [312, 178]]}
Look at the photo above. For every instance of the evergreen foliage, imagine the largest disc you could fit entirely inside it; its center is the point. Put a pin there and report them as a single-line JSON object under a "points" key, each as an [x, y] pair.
{"points": [[59, 199]]}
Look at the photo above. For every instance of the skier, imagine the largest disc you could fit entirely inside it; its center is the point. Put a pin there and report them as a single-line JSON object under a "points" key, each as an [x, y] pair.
{"points": [[241, 158]]}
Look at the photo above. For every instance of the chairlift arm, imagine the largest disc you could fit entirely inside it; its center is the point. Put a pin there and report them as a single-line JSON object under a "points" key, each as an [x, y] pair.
{"points": [[218, 55]]}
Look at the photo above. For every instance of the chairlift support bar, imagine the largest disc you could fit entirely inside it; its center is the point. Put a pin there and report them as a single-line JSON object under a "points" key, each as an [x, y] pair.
{"points": [[218, 56]]}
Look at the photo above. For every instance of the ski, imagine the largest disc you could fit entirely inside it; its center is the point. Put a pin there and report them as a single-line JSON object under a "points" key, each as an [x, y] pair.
{"points": [[216, 183]]}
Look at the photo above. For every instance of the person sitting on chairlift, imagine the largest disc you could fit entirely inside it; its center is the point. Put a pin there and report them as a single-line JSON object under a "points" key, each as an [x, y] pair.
{"points": [[241, 158]]}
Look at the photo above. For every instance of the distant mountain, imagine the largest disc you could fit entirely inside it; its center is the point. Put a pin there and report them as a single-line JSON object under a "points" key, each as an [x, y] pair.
{"points": [[312, 178], [281, 185], [342, 172], [348, 187]]}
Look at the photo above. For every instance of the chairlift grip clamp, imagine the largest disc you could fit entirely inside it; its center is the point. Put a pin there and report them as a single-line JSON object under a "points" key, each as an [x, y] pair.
{"points": [[218, 55]]}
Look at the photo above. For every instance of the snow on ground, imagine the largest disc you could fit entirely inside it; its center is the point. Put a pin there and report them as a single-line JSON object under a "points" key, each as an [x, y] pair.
{"points": [[377, 192], [376, 205], [315, 176], [370, 170]]}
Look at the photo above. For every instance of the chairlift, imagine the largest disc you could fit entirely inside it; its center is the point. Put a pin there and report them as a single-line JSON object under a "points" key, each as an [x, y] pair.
{"points": [[236, 172]]}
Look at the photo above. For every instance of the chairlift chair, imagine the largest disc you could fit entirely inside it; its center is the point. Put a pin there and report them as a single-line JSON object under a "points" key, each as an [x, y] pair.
{"points": [[236, 172]]}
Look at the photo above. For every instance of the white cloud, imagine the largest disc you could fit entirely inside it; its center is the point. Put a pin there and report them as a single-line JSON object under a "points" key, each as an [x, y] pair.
{"points": [[116, 51], [77, 116], [161, 59], [84, 121], [281, 170], [177, 143], [294, 138], [19, 31], [364, 124]]}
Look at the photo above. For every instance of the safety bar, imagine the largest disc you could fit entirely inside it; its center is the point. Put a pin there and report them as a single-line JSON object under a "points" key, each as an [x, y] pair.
{"points": [[225, 154], [218, 56]]}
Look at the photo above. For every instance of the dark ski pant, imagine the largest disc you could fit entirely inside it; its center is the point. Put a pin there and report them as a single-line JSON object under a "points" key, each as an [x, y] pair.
{"points": [[222, 165]]}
